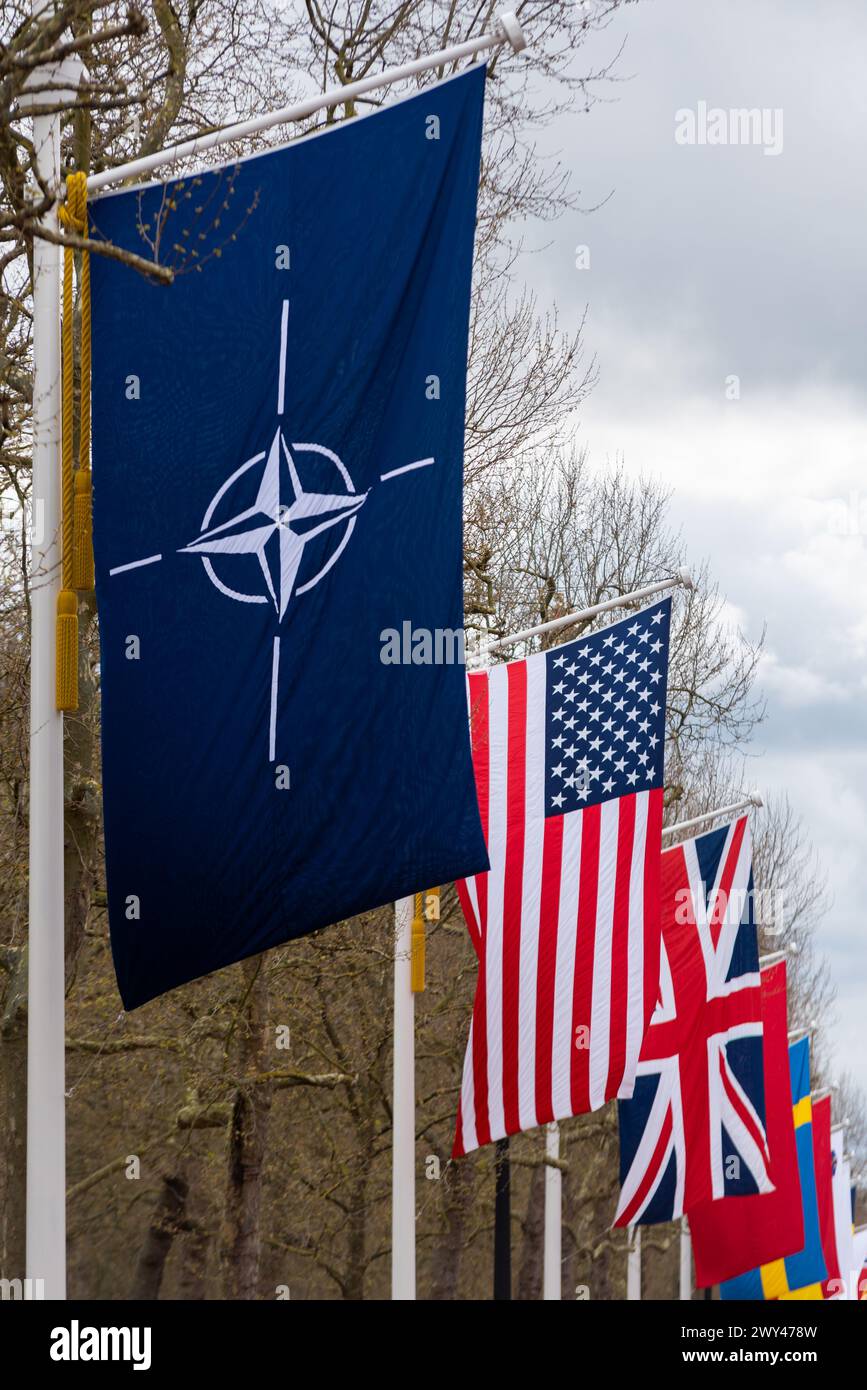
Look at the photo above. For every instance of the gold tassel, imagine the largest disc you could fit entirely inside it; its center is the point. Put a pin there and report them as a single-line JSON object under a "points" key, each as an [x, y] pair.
{"points": [[76, 562], [82, 547], [82, 531], [417, 951], [67, 650]]}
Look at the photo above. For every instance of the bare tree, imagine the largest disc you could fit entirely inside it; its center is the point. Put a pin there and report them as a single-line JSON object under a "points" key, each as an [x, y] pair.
{"points": [[243, 1188]]}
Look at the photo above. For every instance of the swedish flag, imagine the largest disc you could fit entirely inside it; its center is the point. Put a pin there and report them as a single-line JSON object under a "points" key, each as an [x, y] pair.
{"points": [[796, 1275]]}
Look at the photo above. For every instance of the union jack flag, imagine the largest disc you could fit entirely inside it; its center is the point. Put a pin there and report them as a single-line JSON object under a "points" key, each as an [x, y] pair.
{"points": [[694, 1129]]}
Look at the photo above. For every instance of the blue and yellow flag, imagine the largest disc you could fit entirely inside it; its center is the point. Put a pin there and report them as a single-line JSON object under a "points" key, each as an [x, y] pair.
{"points": [[806, 1268]]}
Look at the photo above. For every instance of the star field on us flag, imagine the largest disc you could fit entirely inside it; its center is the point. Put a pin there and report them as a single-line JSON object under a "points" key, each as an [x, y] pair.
{"points": [[605, 712]]}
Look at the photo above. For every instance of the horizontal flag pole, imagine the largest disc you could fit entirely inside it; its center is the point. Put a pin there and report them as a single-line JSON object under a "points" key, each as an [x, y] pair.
{"points": [[507, 30], [772, 959], [752, 800], [681, 579]]}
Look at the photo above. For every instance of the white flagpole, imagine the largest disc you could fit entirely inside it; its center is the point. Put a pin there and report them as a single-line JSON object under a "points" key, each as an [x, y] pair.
{"points": [[507, 30], [773, 958], [403, 1110], [795, 1034], [681, 580], [46, 1118], [685, 1261], [754, 799], [551, 1289], [633, 1265]]}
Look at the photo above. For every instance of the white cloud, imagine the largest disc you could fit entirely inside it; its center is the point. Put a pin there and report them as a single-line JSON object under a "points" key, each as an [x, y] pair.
{"points": [[796, 685], [711, 262]]}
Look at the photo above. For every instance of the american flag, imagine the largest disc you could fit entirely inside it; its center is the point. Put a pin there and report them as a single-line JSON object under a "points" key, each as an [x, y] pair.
{"points": [[694, 1128], [568, 754]]}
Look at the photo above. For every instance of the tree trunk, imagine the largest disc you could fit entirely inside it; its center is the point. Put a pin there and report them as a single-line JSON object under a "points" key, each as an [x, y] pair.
{"points": [[571, 1206], [240, 1243], [13, 1111], [356, 1257], [82, 805], [168, 1216], [448, 1250], [532, 1245], [193, 1275], [195, 1247], [358, 1211]]}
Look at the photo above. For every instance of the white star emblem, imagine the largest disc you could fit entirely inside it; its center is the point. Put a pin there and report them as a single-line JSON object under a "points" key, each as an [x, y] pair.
{"points": [[282, 520], [276, 530]]}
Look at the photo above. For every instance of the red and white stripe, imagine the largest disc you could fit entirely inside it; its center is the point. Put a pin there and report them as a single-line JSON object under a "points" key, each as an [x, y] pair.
{"points": [[566, 926]]}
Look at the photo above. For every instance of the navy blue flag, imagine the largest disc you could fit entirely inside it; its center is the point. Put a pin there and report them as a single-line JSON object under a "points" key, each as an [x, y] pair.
{"points": [[278, 473]]}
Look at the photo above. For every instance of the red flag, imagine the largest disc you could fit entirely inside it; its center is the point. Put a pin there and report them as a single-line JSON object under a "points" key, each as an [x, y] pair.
{"points": [[740, 1233], [825, 1192]]}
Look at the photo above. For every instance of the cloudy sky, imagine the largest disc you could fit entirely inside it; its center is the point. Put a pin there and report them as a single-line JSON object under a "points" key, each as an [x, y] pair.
{"points": [[718, 261]]}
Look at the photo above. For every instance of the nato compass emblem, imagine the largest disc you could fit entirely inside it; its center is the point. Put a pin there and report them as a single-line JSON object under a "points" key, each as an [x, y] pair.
{"points": [[275, 529]]}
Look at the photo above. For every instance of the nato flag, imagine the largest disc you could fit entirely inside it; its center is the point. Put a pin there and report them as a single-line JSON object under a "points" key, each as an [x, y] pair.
{"points": [[278, 472]]}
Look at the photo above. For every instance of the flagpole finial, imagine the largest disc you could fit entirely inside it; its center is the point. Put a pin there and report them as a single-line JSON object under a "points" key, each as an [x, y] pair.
{"points": [[756, 797], [686, 579], [510, 28]]}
